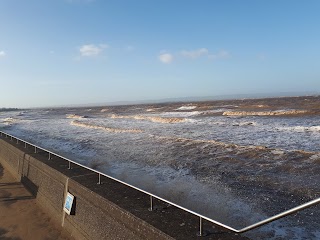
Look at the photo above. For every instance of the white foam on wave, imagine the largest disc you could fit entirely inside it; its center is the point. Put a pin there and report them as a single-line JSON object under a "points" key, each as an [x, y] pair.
{"points": [[156, 119], [180, 114], [183, 108], [213, 111], [75, 116], [9, 121], [264, 113], [108, 129], [180, 187], [241, 124], [301, 129], [315, 157]]}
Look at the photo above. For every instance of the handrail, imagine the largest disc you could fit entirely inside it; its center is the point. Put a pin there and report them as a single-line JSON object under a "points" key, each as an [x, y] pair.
{"points": [[242, 230]]}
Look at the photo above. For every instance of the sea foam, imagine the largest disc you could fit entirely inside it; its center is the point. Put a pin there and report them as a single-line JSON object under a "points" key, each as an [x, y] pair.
{"points": [[108, 129], [265, 113], [152, 118]]}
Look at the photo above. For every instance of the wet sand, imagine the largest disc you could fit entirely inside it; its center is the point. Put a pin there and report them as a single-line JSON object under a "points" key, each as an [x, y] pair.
{"points": [[20, 216]]}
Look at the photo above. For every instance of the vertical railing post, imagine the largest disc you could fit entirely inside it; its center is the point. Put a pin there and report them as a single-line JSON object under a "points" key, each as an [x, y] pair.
{"points": [[49, 158], [17, 141], [35, 149], [25, 145], [69, 167], [151, 203], [99, 181], [201, 233], [11, 138]]}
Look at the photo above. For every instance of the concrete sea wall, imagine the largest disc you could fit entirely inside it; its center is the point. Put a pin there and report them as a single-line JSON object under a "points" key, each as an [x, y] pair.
{"points": [[94, 217]]}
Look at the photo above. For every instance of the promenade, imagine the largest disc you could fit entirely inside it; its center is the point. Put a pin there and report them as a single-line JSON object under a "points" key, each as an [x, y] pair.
{"points": [[20, 217]]}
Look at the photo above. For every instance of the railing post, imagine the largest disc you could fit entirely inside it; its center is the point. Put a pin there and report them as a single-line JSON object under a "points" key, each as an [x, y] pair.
{"points": [[25, 145], [35, 149], [11, 138], [151, 203], [201, 233], [17, 141], [69, 167], [6, 136], [49, 158], [99, 182]]}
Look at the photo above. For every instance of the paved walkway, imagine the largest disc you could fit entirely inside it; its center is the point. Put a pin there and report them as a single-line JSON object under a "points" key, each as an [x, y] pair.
{"points": [[20, 217]]}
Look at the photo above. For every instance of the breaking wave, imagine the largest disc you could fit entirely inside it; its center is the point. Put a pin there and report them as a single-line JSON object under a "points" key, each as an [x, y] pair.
{"points": [[152, 118], [183, 108], [108, 129], [301, 129], [76, 116], [180, 114], [265, 113], [9, 121]]}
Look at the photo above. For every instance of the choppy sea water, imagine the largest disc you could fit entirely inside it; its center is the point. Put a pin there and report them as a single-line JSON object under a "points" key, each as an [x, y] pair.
{"points": [[235, 168]]}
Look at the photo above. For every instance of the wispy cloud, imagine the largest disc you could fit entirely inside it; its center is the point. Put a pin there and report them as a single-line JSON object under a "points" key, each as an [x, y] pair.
{"points": [[204, 52], [2, 54], [91, 50], [222, 54], [195, 53], [166, 58]]}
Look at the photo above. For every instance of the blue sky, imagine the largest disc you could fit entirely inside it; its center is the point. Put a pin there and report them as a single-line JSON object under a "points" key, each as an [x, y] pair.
{"points": [[60, 52]]}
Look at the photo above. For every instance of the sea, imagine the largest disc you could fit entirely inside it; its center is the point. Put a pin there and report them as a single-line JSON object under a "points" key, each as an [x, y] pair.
{"points": [[235, 161]]}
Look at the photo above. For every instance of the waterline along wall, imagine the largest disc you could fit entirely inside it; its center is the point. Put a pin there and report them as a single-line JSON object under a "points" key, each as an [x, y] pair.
{"points": [[94, 218]]}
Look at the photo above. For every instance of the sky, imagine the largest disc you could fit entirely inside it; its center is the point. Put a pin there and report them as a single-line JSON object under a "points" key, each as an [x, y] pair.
{"points": [[60, 52]]}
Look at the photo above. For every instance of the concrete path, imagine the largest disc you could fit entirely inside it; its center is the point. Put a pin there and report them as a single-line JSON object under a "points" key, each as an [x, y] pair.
{"points": [[20, 217]]}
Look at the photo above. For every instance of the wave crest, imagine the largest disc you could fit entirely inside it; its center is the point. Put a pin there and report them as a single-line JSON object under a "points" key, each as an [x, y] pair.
{"points": [[184, 108], [76, 116], [9, 121], [152, 118], [301, 129], [108, 129], [265, 113]]}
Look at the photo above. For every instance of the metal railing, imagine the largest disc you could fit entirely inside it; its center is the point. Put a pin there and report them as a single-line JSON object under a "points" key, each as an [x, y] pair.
{"points": [[152, 196]]}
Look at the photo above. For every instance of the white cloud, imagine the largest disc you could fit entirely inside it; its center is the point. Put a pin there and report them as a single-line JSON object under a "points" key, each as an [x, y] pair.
{"points": [[2, 53], [195, 53], [166, 58], [91, 50]]}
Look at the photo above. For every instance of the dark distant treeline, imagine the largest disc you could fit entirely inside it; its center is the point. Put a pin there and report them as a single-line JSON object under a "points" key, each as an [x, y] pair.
{"points": [[8, 109]]}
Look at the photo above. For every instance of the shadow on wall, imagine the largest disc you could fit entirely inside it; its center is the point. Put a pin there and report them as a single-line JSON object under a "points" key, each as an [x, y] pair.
{"points": [[1, 170], [3, 232], [30, 186]]}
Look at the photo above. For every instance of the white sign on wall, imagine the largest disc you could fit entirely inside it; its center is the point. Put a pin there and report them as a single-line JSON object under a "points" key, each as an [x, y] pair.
{"points": [[68, 203]]}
